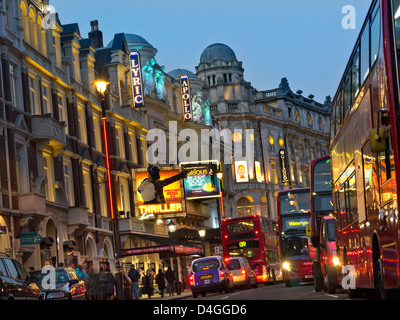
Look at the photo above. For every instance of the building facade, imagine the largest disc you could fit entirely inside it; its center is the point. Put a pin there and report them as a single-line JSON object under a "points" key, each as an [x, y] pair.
{"points": [[54, 205], [279, 119]]}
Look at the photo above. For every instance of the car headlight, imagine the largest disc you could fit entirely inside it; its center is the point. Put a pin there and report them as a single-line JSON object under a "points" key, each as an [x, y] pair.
{"points": [[286, 266], [56, 295]]}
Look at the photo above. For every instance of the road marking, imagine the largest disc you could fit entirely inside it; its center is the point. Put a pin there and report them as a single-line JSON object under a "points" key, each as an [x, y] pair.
{"points": [[331, 295]]}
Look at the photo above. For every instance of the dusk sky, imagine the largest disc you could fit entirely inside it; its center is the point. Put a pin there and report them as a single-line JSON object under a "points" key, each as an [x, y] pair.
{"points": [[302, 40]]}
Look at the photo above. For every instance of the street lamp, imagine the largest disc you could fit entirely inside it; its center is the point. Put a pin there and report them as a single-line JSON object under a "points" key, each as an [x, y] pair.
{"points": [[202, 234], [101, 87], [172, 228], [220, 175]]}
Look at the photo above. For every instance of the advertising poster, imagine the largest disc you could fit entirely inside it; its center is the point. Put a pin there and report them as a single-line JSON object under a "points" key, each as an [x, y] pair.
{"points": [[201, 180], [241, 171], [173, 205]]}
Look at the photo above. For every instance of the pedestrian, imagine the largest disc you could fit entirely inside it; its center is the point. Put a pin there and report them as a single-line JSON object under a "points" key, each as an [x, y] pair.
{"points": [[110, 284], [170, 275], [82, 274], [135, 277], [93, 286], [160, 280], [148, 283]]}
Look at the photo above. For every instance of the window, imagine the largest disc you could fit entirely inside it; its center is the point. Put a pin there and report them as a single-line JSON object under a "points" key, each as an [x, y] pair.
{"points": [[297, 114], [68, 182], [11, 268], [102, 193], [22, 274], [48, 174], [124, 196], [132, 146], [364, 68], [87, 189], [355, 76], [351, 195], [375, 33], [309, 120], [13, 84], [347, 95], [62, 110], [82, 124], [3, 270], [32, 95], [119, 138], [45, 98], [21, 168], [97, 131]]}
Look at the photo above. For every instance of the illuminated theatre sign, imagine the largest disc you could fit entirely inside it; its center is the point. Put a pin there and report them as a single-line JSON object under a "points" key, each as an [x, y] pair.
{"points": [[174, 206], [284, 165], [185, 92], [136, 74]]}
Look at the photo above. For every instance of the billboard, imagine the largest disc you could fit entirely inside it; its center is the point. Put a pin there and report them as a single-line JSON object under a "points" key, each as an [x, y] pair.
{"points": [[136, 74], [185, 91], [172, 205], [241, 171], [201, 180]]}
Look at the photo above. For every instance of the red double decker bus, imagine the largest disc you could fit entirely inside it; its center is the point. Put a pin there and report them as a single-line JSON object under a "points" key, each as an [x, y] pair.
{"points": [[364, 154], [253, 237], [294, 216], [322, 249]]}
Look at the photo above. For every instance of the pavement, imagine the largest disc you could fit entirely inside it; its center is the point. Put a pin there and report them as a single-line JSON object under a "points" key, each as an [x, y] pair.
{"points": [[157, 296]]}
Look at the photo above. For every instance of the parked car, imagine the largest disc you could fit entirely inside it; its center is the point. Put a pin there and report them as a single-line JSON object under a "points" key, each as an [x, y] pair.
{"points": [[210, 274], [16, 283], [241, 271], [67, 285]]}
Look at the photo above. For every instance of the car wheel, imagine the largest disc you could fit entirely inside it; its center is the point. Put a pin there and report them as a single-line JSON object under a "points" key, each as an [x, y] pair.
{"points": [[203, 294], [194, 294]]}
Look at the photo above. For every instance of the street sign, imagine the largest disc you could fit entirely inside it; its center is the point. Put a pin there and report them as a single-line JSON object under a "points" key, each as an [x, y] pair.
{"points": [[28, 238]]}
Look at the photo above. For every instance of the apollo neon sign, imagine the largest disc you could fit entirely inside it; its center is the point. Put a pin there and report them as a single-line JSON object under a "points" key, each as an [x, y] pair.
{"points": [[185, 92], [136, 74]]}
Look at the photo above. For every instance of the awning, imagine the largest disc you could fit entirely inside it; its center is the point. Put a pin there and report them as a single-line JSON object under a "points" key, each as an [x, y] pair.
{"points": [[179, 250]]}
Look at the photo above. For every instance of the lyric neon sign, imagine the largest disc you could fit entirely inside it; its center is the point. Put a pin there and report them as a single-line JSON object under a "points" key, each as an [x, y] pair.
{"points": [[136, 74], [185, 91]]}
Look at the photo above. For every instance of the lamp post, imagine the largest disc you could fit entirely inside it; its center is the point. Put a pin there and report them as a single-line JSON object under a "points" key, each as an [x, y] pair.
{"points": [[220, 175], [202, 234], [172, 228], [101, 87]]}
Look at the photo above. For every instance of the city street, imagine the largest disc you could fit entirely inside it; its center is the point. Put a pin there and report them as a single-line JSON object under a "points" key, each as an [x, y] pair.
{"points": [[270, 292]]}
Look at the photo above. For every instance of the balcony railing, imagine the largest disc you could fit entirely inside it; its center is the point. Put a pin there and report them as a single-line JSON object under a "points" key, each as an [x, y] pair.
{"points": [[49, 130], [133, 225]]}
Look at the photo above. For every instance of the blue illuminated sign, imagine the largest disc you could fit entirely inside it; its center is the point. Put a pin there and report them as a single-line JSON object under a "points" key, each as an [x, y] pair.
{"points": [[185, 91], [136, 74]]}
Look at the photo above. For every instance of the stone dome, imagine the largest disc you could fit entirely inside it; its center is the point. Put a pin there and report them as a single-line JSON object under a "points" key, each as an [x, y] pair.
{"points": [[176, 74], [217, 51], [133, 40]]}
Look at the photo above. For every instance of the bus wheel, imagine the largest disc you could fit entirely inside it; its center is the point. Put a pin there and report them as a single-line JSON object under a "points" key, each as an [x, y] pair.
{"points": [[378, 278], [330, 282], [318, 278]]}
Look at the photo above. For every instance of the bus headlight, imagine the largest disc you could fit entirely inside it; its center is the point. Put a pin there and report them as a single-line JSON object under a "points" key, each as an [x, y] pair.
{"points": [[286, 266], [335, 261]]}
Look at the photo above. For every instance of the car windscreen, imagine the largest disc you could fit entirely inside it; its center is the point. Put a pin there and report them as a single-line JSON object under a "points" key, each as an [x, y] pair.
{"points": [[203, 265]]}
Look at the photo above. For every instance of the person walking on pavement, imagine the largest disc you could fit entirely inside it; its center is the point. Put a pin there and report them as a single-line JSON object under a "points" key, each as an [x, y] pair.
{"points": [[134, 276], [160, 280], [170, 275], [148, 283], [110, 284]]}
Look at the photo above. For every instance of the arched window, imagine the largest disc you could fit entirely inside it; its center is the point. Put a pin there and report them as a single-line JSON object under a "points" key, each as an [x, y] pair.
{"points": [[24, 21], [33, 29], [309, 119], [320, 124], [245, 207], [41, 37], [297, 114]]}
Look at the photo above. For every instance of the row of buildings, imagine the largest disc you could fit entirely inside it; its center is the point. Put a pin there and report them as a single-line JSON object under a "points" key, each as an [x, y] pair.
{"points": [[54, 205]]}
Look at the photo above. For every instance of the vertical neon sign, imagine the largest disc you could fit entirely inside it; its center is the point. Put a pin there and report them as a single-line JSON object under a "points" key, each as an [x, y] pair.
{"points": [[185, 91], [136, 74]]}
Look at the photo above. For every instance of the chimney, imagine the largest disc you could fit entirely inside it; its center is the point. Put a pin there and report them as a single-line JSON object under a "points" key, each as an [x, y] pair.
{"points": [[95, 34]]}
